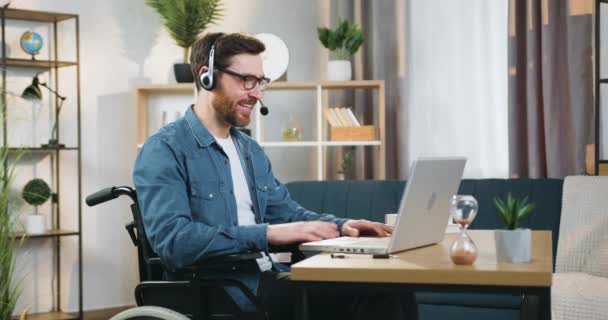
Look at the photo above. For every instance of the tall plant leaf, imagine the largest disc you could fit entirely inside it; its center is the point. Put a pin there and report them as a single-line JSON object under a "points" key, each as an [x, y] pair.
{"points": [[186, 19], [10, 282]]}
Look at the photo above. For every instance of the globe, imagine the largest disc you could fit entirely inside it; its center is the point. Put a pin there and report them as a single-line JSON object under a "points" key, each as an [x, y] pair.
{"points": [[31, 42]]}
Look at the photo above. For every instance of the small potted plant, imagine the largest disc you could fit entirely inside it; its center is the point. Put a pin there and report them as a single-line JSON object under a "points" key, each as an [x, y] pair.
{"points": [[347, 162], [513, 244], [343, 42], [36, 192], [185, 20]]}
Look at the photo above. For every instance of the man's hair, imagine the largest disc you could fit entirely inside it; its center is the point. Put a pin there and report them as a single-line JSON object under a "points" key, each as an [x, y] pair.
{"points": [[227, 45]]}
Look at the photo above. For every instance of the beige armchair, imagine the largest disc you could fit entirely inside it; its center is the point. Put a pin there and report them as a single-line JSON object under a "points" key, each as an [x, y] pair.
{"points": [[580, 281]]}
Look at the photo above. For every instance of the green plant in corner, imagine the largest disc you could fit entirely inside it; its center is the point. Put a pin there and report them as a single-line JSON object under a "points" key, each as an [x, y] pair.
{"points": [[10, 281], [345, 40], [186, 19], [513, 211], [36, 192]]}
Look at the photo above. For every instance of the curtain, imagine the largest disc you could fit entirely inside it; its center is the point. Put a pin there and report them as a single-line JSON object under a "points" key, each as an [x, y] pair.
{"points": [[550, 87], [445, 65], [381, 57]]}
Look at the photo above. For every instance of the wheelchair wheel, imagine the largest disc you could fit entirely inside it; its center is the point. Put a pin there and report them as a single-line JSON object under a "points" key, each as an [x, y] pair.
{"points": [[149, 313]]}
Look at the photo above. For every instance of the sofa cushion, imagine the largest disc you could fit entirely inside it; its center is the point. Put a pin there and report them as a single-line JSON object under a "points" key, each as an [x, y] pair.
{"points": [[577, 295]]}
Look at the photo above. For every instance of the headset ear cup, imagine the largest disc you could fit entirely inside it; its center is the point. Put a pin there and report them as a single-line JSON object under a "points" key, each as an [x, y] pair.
{"points": [[206, 81]]}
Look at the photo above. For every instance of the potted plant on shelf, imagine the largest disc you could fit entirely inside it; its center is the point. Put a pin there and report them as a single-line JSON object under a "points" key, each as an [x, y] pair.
{"points": [[343, 42], [513, 244], [36, 192], [10, 280], [347, 162], [185, 20]]}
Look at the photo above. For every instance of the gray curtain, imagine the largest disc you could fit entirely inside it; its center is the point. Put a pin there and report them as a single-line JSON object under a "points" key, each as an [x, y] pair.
{"points": [[381, 57], [550, 88]]}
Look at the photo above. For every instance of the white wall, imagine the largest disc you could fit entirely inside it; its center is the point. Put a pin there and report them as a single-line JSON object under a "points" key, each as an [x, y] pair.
{"points": [[123, 44]]}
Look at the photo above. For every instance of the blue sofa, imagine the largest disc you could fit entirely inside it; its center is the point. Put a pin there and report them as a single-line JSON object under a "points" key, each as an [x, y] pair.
{"points": [[372, 199]]}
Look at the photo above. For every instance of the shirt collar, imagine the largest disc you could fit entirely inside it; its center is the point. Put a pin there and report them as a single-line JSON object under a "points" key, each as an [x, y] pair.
{"points": [[203, 137]]}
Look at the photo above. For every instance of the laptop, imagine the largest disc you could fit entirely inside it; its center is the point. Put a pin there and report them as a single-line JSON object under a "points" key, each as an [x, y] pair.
{"points": [[422, 217]]}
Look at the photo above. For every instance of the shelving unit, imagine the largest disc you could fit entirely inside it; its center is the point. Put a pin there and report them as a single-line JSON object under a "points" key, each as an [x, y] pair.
{"points": [[601, 88], [50, 66], [322, 138], [143, 93]]}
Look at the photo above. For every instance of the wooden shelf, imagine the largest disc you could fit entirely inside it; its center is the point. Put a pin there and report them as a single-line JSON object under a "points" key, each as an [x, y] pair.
{"points": [[29, 63], [50, 233], [40, 149], [322, 143], [176, 88], [289, 144], [41, 16], [51, 316]]}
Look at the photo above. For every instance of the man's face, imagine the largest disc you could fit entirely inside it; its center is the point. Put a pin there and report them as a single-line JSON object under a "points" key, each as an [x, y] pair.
{"points": [[230, 100]]}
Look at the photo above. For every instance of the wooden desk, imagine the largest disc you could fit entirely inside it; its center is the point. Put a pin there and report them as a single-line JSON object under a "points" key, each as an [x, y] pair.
{"points": [[430, 269]]}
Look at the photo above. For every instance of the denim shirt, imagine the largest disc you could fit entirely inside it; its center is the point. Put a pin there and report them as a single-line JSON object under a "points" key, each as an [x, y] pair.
{"points": [[184, 185]]}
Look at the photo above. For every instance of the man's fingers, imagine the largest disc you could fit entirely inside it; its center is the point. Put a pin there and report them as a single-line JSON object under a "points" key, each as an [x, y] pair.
{"points": [[351, 232]]}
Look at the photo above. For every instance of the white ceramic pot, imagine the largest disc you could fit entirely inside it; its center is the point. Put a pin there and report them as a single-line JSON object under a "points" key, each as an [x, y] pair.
{"points": [[339, 70], [35, 224], [513, 245]]}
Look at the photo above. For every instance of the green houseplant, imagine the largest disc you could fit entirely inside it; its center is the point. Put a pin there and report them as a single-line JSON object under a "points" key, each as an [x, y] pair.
{"points": [[343, 42], [347, 161], [185, 20], [513, 244], [36, 192], [10, 282]]}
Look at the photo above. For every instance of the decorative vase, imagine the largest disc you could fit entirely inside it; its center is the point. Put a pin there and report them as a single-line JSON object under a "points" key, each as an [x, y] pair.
{"points": [[183, 73], [339, 70], [35, 224], [513, 245]]}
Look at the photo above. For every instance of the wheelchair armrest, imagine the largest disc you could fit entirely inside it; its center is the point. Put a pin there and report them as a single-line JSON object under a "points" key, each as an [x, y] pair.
{"points": [[224, 262]]}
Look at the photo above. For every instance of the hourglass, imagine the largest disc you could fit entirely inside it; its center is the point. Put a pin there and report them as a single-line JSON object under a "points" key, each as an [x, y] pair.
{"points": [[463, 209]]}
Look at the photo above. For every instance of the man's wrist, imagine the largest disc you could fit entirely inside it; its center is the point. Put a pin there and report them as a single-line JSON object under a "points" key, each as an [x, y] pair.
{"points": [[340, 223], [255, 237]]}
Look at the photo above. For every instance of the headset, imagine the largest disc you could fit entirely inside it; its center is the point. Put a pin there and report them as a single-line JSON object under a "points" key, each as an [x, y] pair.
{"points": [[206, 79], [208, 82]]}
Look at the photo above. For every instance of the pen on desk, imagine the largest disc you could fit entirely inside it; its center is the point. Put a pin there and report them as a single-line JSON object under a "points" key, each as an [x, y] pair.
{"points": [[337, 256]]}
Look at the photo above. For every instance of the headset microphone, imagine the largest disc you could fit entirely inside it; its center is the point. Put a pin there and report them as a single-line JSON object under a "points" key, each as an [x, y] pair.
{"points": [[263, 109]]}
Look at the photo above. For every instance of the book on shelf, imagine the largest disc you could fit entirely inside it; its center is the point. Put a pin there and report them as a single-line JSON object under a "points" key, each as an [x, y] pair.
{"points": [[352, 117], [341, 117]]}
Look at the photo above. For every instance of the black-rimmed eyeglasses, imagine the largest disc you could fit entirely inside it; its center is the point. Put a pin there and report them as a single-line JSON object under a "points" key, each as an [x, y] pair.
{"points": [[249, 81]]}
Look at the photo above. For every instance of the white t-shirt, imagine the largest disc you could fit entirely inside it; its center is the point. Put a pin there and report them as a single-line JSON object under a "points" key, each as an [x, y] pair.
{"points": [[244, 204]]}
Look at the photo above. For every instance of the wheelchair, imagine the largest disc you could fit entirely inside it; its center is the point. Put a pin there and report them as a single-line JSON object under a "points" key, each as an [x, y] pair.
{"points": [[197, 297]]}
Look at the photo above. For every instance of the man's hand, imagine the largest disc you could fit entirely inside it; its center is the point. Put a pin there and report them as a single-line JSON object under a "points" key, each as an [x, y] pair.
{"points": [[297, 232], [357, 228]]}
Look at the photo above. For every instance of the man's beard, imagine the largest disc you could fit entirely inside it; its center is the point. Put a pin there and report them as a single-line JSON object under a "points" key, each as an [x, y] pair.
{"points": [[226, 111]]}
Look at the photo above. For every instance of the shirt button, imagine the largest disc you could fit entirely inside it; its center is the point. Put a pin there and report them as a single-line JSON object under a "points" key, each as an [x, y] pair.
{"points": [[211, 195]]}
